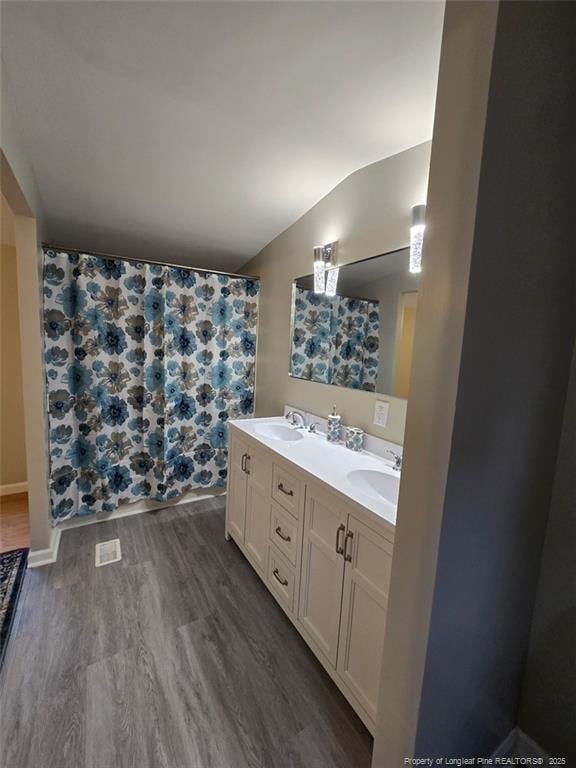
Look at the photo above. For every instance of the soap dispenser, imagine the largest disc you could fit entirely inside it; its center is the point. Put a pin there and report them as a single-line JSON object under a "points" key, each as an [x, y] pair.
{"points": [[334, 426]]}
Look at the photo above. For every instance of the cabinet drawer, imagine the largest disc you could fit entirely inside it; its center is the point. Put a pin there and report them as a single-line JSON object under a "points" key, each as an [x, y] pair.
{"points": [[284, 532], [281, 578], [286, 490]]}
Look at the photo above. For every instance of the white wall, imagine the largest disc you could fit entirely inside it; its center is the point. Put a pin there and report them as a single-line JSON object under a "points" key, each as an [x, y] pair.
{"points": [[463, 83], [19, 188], [15, 154], [368, 213], [387, 291]]}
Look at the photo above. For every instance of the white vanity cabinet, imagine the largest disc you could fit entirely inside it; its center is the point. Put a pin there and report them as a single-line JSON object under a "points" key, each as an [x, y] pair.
{"points": [[325, 558], [248, 501], [320, 605], [236, 492], [346, 568], [367, 569]]}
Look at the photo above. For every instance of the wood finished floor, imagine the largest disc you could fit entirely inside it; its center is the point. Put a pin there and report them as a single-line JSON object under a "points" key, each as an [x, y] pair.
{"points": [[14, 523], [175, 657]]}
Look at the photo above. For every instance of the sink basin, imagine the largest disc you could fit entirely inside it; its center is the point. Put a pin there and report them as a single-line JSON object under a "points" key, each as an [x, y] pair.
{"points": [[278, 432], [378, 485]]}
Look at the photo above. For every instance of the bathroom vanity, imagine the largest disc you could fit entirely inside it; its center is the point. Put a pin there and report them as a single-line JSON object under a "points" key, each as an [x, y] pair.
{"points": [[316, 521]]}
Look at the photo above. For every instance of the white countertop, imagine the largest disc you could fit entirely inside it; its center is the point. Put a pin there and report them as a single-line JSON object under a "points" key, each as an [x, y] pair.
{"points": [[331, 463]]}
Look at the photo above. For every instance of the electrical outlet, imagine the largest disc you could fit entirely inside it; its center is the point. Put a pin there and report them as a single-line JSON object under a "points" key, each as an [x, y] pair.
{"points": [[381, 412]]}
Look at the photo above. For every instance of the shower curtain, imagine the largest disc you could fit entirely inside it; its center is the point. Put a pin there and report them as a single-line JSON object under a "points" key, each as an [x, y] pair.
{"points": [[144, 364], [335, 340]]}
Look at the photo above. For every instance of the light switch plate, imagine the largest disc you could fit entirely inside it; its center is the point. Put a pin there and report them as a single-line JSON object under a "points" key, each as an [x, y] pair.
{"points": [[381, 413]]}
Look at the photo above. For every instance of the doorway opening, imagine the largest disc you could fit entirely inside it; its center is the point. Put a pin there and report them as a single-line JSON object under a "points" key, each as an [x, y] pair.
{"points": [[14, 519]]}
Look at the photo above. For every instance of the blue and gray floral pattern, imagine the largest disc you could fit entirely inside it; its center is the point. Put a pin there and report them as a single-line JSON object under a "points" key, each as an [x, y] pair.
{"points": [[145, 364], [335, 340]]}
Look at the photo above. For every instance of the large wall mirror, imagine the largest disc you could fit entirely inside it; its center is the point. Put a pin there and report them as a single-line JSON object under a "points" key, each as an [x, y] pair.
{"points": [[361, 338]]}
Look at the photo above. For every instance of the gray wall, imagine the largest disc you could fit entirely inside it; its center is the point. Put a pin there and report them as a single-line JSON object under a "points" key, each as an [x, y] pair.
{"points": [[387, 291], [515, 364], [368, 213], [548, 703], [457, 143], [15, 154]]}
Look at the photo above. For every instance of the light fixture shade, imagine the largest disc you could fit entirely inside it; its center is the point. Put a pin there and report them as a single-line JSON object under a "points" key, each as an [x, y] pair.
{"points": [[331, 281], [324, 255], [417, 237], [319, 276], [329, 252]]}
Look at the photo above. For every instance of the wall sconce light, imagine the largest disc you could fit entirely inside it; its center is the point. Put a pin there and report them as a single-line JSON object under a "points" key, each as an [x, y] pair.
{"points": [[325, 273], [331, 281], [319, 270], [417, 237]]}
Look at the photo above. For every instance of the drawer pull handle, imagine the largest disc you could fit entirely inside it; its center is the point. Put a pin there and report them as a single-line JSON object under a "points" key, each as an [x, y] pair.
{"points": [[348, 555], [282, 536], [339, 547], [278, 578], [281, 488]]}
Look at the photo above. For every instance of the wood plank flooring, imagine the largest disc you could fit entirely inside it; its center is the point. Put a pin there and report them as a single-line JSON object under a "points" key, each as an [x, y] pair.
{"points": [[175, 657], [14, 523]]}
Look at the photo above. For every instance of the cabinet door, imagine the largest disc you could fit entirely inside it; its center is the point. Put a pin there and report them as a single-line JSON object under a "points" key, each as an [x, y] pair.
{"points": [[322, 571], [257, 526], [259, 469], [236, 497], [259, 474], [364, 603]]}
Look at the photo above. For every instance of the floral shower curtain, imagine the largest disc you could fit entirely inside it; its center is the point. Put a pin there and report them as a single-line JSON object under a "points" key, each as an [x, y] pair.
{"points": [[145, 364], [335, 340], [356, 343]]}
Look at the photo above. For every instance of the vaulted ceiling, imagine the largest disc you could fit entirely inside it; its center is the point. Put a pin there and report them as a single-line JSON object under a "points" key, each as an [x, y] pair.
{"points": [[198, 131]]}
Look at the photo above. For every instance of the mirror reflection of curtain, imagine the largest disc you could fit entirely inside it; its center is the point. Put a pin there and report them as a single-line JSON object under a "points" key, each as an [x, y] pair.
{"points": [[355, 344], [145, 364], [335, 340], [312, 336]]}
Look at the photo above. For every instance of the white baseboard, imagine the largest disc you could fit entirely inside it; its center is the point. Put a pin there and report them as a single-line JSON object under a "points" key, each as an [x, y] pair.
{"points": [[518, 744], [38, 557], [527, 747], [139, 507], [11, 488], [507, 747]]}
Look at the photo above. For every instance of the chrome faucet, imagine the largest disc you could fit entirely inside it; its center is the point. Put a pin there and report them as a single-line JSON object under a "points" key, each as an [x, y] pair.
{"points": [[314, 427], [397, 458], [291, 416]]}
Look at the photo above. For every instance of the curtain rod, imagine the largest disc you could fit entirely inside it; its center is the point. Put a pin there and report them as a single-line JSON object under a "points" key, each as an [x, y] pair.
{"points": [[149, 261]]}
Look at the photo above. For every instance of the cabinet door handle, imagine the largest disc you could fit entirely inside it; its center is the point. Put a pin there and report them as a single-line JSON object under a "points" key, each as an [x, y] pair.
{"points": [[280, 580], [282, 536], [247, 467], [243, 462], [348, 555], [281, 488], [339, 547]]}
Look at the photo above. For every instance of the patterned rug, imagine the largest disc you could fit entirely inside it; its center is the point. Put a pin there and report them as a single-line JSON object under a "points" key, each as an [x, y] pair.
{"points": [[12, 570]]}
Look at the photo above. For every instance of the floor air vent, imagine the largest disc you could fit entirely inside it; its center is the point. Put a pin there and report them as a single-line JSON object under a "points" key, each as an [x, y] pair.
{"points": [[108, 552]]}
